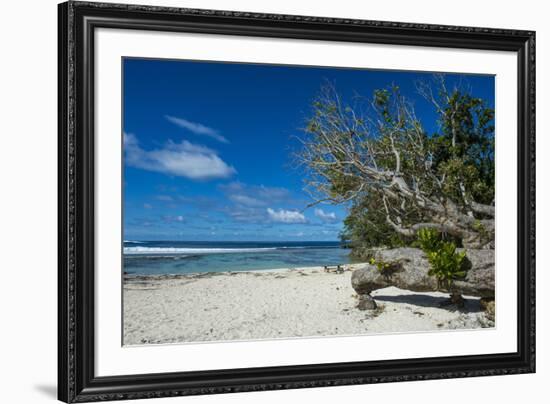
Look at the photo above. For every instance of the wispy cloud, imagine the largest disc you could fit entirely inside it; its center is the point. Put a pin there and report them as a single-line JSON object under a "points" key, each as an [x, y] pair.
{"points": [[197, 128], [246, 200], [183, 159], [254, 195], [255, 204], [286, 216], [273, 193], [200, 202], [164, 198], [173, 219], [244, 214], [329, 217]]}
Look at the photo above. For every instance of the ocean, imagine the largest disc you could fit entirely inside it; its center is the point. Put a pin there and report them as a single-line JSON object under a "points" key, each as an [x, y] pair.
{"points": [[184, 257]]}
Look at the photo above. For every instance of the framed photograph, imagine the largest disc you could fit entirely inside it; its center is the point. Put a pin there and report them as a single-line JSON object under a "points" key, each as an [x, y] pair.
{"points": [[255, 201]]}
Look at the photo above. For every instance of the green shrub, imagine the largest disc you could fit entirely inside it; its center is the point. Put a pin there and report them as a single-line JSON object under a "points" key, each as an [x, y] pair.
{"points": [[429, 240], [446, 263], [386, 268], [381, 265]]}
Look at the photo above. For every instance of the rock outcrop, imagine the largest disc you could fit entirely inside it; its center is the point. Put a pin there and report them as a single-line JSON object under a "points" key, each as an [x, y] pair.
{"points": [[409, 270]]}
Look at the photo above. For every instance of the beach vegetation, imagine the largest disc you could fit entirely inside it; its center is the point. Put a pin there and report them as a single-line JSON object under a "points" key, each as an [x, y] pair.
{"points": [[386, 268], [396, 178], [446, 264], [429, 240]]}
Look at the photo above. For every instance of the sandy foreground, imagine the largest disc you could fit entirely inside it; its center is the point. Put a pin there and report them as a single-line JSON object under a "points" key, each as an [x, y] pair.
{"points": [[277, 304]]}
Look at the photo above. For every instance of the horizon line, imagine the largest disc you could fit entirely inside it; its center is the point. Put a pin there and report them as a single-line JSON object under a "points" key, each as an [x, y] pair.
{"points": [[239, 241]]}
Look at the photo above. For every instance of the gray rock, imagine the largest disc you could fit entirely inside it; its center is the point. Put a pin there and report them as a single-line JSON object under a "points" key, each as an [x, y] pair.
{"points": [[488, 305], [366, 302], [410, 272]]}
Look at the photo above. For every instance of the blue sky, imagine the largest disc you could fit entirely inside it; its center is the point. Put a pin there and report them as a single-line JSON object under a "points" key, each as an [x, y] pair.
{"points": [[207, 147]]}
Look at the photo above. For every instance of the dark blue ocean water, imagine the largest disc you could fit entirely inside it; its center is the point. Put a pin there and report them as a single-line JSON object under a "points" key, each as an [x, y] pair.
{"points": [[182, 257]]}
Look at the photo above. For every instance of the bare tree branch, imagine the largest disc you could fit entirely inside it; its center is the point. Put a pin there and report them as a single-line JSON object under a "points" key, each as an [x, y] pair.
{"points": [[383, 151]]}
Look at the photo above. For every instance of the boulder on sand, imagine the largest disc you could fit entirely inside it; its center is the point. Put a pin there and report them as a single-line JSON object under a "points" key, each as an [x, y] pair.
{"points": [[409, 270]]}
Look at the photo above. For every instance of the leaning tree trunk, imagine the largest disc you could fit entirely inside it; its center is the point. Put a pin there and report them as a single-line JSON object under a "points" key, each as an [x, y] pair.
{"points": [[446, 217]]}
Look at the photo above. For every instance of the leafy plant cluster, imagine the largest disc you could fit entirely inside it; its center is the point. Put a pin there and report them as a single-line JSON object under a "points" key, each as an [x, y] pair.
{"points": [[386, 268], [381, 265], [446, 263]]}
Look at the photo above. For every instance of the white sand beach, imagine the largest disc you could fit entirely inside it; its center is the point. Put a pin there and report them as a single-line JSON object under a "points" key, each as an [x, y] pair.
{"points": [[277, 304]]}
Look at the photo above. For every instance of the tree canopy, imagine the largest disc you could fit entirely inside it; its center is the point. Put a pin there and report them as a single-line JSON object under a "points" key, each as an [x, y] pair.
{"points": [[376, 157]]}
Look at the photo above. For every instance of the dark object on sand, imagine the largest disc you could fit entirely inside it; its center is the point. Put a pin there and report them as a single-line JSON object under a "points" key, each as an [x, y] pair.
{"points": [[339, 269], [366, 302]]}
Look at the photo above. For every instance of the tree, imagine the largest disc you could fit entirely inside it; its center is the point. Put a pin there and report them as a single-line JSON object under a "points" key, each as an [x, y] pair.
{"points": [[397, 178]]}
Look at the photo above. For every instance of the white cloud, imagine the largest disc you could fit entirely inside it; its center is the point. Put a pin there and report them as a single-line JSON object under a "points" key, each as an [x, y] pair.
{"points": [[246, 214], [286, 216], [197, 128], [246, 200], [272, 193], [183, 159], [147, 206], [325, 216], [233, 186], [254, 195]]}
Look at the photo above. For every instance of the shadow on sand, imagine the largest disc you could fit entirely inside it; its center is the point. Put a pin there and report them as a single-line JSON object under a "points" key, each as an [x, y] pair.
{"points": [[470, 305]]}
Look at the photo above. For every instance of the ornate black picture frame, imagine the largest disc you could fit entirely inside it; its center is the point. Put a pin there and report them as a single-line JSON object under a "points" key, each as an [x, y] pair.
{"points": [[77, 24]]}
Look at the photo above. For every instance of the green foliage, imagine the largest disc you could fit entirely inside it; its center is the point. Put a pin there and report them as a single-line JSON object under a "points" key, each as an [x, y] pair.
{"points": [[470, 161], [386, 268], [429, 240], [365, 226], [461, 152], [483, 232], [446, 263], [381, 265]]}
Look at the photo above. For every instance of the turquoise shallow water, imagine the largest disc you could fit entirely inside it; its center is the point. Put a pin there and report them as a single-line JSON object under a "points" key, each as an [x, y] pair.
{"points": [[181, 257]]}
